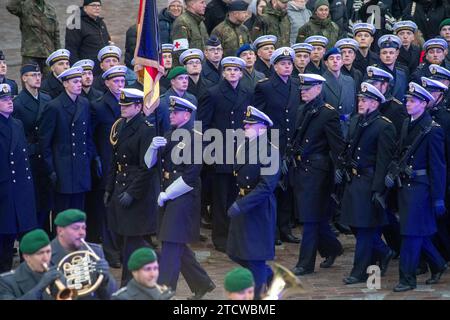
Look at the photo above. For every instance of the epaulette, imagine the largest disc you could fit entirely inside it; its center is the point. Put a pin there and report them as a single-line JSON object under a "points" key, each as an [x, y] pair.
{"points": [[386, 119], [329, 106], [7, 273], [396, 100], [197, 132], [121, 290], [148, 123], [435, 124], [262, 80], [273, 145]]}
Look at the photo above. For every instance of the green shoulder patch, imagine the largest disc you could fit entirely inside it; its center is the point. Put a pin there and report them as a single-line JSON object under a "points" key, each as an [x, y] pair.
{"points": [[386, 119]]}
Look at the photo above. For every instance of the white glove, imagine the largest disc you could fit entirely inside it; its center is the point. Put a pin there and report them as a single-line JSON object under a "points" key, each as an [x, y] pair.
{"points": [[158, 142], [162, 198], [389, 22], [150, 155], [357, 4]]}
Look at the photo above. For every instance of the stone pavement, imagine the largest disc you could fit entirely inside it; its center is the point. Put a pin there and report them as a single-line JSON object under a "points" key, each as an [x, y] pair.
{"points": [[323, 284]]}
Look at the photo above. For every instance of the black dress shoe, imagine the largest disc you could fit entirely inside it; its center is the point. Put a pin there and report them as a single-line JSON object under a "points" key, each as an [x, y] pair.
{"points": [[343, 228], [289, 238], [300, 271], [352, 280], [436, 276], [200, 294], [422, 269], [328, 262], [278, 242], [403, 287], [385, 262]]}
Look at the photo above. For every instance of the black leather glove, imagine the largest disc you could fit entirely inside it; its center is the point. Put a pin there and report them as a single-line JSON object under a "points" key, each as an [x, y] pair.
{"points": [[53, 178], [234, 210], [439, 208], [125, 199], [48, 278], [379, 201], [98, 167], [389, 181], [338, 176], [106, 198]]}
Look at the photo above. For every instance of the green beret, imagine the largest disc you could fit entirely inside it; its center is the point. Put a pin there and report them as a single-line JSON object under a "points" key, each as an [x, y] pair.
{"points": [[64, 218], [176, 72], [238, 279], [445, 22], [140, 258], [34, 241]]}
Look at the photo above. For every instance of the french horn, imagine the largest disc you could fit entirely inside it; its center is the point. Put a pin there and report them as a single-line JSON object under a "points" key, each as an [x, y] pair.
{"points": [[284, 284]]}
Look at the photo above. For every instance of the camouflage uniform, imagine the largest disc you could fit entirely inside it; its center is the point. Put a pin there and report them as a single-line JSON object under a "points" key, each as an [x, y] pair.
{"points": [[190, 26], [326, 28], [274, 22], [232, 36], [39, 26]]}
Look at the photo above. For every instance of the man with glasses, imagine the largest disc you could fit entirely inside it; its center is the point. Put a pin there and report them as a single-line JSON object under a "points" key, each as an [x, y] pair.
{"points": [[28, 106], [213, 54], [85, 41], [192, 60]]}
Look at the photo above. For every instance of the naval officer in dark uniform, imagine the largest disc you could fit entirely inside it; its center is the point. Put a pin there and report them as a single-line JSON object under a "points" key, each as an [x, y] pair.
{"points": [[364, 34], [179, 222], [58, 62], [87, 80], [264, 46], [108, 57], [251, 235]]}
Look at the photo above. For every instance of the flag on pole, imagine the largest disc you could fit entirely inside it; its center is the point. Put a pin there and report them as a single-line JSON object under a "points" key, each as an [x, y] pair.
{"points": [[147, 56]]}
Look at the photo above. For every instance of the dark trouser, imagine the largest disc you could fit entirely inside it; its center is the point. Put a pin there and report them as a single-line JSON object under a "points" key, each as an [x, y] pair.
{"points": [[391, 231], [412, 247], [130, 244], [262, 273], [442, 238], [380, 248], [317, 236], [207, 176], [6, 251], [176, 258], [285, 207], [64, 201], [224, 193], [367, 239]]}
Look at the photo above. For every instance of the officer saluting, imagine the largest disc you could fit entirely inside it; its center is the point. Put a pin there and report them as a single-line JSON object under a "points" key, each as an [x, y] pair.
{"points": [[58, 62], [180, 221], [66, 142], [422, 175], [318, 135], [129, 195], [369, 152], [17, 207], [251, 235]]}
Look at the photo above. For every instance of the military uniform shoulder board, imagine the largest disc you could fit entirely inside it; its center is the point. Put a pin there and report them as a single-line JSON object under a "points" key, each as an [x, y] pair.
{"points": [[273, 145], [386, 119], [262, 80], [329, 106], [121, 290], [396, 100], [148, 123], [197, 132]]}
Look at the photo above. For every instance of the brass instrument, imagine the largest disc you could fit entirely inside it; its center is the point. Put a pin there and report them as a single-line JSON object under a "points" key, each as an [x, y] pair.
{"points": [[79, 270], [64, 293], [284, 284]]}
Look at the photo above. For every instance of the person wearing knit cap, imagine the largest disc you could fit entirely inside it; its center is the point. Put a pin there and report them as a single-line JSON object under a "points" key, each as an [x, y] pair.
{"points": [[435, 53], [3, 72], [239, 284], [264, 46], [144, 267], [70, 237], [339, 89], [409, 55], [349, 47], [389, 50], [320, 23], [87, 80], [58, 61], [251, 76], [364, 34], [232, 32], [213, 56], [365, 191], [420, 206], [444, 31], [34, 275]]}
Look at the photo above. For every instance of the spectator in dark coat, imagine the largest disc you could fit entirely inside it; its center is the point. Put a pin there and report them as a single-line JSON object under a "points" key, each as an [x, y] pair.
{"points": [[166, 18], [130, 45], [85, 42], [215, 13]]}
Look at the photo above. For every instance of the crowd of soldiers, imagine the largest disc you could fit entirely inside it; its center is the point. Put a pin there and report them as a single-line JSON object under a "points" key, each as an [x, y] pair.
{"points": [[359, 126]]}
